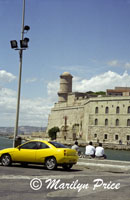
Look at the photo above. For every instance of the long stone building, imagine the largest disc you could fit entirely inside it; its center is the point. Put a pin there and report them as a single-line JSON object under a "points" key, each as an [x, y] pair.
{"points": [[90, 117]]}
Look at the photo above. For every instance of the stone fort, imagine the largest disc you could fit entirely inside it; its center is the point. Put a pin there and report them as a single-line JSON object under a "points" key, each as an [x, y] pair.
{"points": [[90, 117]]}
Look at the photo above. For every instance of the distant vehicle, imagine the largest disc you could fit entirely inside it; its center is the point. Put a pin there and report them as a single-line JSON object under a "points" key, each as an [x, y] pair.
{"points": [[51, 154]]}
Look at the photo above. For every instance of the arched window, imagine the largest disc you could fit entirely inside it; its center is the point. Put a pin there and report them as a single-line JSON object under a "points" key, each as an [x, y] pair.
{"points": [[106, 122], [106, 110], [96, 121], [96, 110], [117, 122], [128, 122], [128, 137], [105, 137], [128, 109], [117, 109], [116, 137]]}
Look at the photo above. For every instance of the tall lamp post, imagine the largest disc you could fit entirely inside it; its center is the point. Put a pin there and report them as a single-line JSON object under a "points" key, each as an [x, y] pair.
{"points": [[23, 46]]}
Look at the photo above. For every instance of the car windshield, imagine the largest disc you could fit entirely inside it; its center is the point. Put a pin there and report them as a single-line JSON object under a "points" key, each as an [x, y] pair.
{"points": [[58, 145]]}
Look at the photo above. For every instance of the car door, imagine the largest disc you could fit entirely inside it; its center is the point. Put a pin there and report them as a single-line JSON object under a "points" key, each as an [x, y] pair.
{"points": [[42, 152], [26, 152]]}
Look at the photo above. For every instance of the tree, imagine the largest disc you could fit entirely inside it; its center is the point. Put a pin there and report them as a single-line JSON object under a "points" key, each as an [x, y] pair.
{"points": [[52, 132]]}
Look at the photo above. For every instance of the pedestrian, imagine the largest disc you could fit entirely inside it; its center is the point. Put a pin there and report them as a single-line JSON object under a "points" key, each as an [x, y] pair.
{"points": [[100, 152], [90, 150], [75, 146]]}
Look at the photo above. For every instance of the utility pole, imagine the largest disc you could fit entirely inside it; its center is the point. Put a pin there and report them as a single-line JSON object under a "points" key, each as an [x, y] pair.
{"points": [[23, 46]]}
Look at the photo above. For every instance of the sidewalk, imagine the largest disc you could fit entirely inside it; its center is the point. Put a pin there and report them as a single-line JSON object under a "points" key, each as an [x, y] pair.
{"points": [[105, 165]]}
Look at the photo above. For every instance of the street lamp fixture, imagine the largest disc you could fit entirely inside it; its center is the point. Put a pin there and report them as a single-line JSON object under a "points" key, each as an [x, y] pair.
{"points": [[23, 42], [26, 28], [14, 44]]}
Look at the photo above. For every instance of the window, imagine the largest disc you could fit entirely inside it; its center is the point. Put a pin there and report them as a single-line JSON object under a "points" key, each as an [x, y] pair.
{"points": [[116, 137], [128, 109], [34, 145], [106, 122], [128, 122], [117, 109], [128, 137], [41, 145], [29, 145], [95, 135], [96, 121], [58, 145], [117, 122], [96, 110], [105, 136], [106, 110]]}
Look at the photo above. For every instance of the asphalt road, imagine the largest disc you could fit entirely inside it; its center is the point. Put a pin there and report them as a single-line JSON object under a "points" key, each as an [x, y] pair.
{"points": [[37, 183]]}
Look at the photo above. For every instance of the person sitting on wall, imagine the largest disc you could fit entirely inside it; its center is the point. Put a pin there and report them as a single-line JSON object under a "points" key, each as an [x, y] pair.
{"points": [[90, 150], [100, 152], [75, 146]]}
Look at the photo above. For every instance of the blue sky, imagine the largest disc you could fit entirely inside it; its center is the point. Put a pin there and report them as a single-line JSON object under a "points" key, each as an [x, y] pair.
{"points": [[88, 38]]}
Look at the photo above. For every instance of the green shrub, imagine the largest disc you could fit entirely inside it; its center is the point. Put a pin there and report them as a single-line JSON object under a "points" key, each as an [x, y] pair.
{"points": [[52, 132]]}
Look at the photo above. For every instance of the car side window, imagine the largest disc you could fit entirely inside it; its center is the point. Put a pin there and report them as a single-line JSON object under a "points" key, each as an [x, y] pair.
{"points": [[58, 145], [29, 145], [42, 145]]}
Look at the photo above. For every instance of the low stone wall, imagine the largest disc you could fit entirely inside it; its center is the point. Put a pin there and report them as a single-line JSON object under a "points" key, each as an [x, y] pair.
{"points": [[105, 145], [105, 165]]}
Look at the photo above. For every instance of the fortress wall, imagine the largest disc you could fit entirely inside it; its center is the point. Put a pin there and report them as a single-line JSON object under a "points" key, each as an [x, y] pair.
{"points": [[111, 133], [90, 117], [74, 116], [122, 129]]}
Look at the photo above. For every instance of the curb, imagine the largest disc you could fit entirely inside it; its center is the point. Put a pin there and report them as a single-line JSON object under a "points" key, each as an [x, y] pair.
{"points": [[106, 165]]}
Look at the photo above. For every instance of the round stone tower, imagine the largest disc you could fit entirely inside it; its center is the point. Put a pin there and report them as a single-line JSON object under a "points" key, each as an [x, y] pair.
{"points": [[65, 86]]}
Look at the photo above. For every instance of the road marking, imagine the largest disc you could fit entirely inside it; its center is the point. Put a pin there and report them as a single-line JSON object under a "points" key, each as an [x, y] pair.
{"points": [[68, 176]]}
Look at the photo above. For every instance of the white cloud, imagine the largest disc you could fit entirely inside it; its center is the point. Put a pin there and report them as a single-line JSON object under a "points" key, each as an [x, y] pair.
{"points": [[52, 89], [31, 80], [32, 111], [35, 111], [127, 65], [102, 82], [76, 78], [6, 77], [7, 107], [113, 63], [118, 63]]}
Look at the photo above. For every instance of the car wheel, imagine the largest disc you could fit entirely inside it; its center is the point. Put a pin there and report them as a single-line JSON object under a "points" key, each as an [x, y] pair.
{"points": [[67, 166], [50, 163], [6, 160]]}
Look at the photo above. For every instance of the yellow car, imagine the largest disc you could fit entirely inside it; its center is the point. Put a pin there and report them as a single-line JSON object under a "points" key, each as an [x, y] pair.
{"points": [[51, 154]]}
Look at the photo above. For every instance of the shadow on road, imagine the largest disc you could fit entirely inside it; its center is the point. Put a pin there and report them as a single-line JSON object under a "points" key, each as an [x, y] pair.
{"points": [[41, 167]]}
